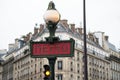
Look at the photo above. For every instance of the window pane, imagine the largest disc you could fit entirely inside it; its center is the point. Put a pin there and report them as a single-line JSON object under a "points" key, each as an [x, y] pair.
{"points": [[60, 65], [60, 76]]}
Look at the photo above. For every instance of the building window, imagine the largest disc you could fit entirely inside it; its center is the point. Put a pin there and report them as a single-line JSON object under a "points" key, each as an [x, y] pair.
{"points": [[78, 56], [71, 66], [40, 69], [60, 76], [71, 77], [40, 64], [78, 68], [31, 61], [78, 78], [60, 64]]}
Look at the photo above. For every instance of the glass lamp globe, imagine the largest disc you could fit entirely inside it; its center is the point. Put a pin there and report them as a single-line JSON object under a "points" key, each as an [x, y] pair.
{"points": [[51, 16]]}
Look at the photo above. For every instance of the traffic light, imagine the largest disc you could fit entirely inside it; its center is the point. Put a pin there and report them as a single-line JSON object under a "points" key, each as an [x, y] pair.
{"points": [[47, 72]]}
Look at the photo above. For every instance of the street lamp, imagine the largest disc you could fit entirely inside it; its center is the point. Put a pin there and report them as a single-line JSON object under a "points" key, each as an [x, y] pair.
{"points": [[52, 17]]}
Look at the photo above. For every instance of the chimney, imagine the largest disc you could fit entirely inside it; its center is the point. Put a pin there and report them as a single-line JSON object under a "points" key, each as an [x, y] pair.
{"points": [[79, 30], [24, 38], [97, 41], [35, 31], [91, 37], [72, 27], [3, 51], [17, 43], [11, 47], [21, 43], [41, 27], [28, 37], [106, 38], [64, 22]]}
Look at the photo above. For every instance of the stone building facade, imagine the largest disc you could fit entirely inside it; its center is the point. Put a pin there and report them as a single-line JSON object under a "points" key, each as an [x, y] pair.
{"points": [[100, 64], [7, 66]]}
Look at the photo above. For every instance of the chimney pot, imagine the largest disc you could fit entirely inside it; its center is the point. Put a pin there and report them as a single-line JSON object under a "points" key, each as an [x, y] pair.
{"points": [[72, 27], [106, 38], [80, 30], [64, 22], [41, 27], [35, 30]]}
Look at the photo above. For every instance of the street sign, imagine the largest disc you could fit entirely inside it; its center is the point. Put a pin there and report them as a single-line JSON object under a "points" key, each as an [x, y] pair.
{"points": [[56, 49]]}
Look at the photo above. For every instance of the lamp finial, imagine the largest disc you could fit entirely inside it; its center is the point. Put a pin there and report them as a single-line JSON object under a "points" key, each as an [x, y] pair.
{"points": [[51, 5]]}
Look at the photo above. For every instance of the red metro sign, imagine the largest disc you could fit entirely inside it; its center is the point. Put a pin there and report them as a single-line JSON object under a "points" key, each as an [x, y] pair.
{"points": [[56, 49]]}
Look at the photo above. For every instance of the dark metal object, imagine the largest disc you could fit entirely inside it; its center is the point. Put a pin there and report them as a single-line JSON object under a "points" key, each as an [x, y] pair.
{"points": [[52, 28], [85, 45], [52, 61]]}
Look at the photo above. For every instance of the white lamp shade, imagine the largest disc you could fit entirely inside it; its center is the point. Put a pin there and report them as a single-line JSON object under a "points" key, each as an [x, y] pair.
{"points": [[51, 15]]}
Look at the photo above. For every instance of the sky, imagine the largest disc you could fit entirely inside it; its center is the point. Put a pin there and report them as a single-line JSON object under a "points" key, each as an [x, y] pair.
{"points": [[18, 17]]}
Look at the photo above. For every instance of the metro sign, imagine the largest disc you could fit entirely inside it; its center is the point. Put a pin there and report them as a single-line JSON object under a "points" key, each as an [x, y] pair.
{"points": [[57, 49]]}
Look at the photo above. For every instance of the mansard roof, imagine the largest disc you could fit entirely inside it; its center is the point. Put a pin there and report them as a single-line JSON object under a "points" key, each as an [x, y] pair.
{"points": [[62, 28]]}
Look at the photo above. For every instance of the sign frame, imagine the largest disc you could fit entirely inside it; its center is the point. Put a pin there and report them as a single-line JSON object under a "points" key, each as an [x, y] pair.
{"points": [[71, 41]]}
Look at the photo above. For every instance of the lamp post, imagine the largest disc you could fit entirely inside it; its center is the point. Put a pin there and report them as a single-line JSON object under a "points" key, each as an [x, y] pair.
{"points": [[85, 45], [52, 17]]}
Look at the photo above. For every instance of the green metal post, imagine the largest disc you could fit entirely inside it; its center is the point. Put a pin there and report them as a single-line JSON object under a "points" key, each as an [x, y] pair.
{"points": [[51, 26], [52, 61]]}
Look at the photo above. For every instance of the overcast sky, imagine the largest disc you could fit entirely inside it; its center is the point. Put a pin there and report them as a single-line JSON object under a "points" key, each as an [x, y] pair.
{"points": [[18, 17]]}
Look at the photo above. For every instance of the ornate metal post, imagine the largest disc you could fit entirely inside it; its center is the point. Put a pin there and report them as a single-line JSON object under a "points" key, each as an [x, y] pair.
{"points": [[51, 18]]}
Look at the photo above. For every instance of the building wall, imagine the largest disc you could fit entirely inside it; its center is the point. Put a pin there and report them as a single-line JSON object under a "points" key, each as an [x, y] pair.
{"points": [[98, 68], [115, 68], [24, 67], [7, 73], [27, 68]]}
